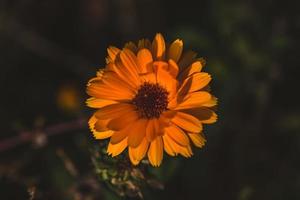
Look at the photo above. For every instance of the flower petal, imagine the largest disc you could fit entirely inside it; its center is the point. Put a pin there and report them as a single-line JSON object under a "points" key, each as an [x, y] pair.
{"points": [[111, 79], [205, 115], [149, 77], [144, 58], [166, 80], [112, 53], [98, 103], [165, 121], [137, 132], [194, 83], [212, 102], [129, 60], [198, 139], [173, 68], [144, 43], [114, 111], [177, 135], [152, 129], [101, 90], [168, 145], [103, 134], [187, 122], [122, 121], [158, 47], [155, 152], [160, 65], [173, 148], [116, 149], [187, 59], [122, 73], [98, 134], [185, 151], [92, 121], [193, 68], [101, 125], [138, 153], [193, 100], [175, 50], [126, 65], [118, 136], [131, 46]]}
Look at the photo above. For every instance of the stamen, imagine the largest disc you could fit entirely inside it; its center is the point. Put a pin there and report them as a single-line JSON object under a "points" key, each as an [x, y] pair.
{"points": [[151, 100]]}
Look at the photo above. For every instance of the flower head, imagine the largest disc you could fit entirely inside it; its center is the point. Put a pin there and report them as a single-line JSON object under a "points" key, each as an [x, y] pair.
{"points": [[151, 98]]}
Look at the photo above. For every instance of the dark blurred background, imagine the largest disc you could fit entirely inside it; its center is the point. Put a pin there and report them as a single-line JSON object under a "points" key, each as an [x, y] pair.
{"points": [[50, 48]]}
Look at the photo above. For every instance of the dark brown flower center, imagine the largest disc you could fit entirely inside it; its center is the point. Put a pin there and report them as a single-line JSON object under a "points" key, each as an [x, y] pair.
{"points": [[151, 100]]}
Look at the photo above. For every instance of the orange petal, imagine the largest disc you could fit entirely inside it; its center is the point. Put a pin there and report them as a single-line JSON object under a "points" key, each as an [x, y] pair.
{"points": [[187, 59], [173, 103], [144, 43], [126, 65], [118, 136], [187, 122], [193, 100], [173, 68], [198, 139], [138, 153], [92, 121], [193, 68], [149, 77], [165, 119], [152, 129], [101, 125], [158, 65], [195, 82], [116, 149], [100, 73], [173, 148], [144, 58], [112, 53], [122, 121], [169, 114], [98, 103], [177, 135], [166, 80], [114, 111], [103, 134], [137, 132], [111, 79], [131, 46], [185, 151], [122, 73], [129, 60], [168, 145], [175, 50], [205, 115], [97, 79], [104, 91], [155, 152], [158, 47], [98, 134], [212, 102]]}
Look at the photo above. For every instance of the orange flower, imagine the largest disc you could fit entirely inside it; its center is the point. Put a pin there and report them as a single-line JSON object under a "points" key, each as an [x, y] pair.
{"points": [[151, 97]]}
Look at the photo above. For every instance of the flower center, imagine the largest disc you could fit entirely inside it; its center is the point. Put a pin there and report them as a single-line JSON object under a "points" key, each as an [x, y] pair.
{"points": [[151, 100]]}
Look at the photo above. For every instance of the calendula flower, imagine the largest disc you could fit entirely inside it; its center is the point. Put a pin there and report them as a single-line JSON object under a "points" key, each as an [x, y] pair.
{"points": [[151, 98]]}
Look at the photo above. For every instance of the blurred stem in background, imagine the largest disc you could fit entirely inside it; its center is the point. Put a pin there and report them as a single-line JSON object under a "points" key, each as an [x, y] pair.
{"points": [[41, 134]]}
